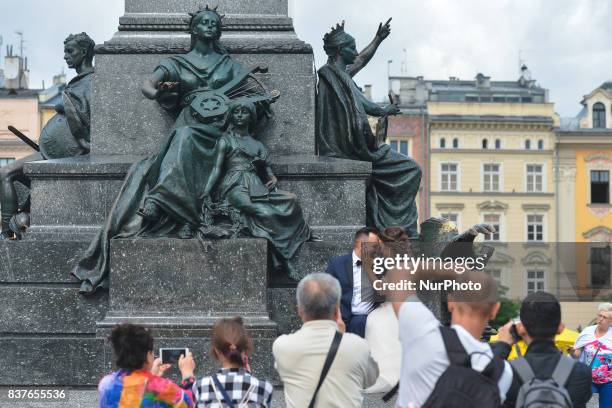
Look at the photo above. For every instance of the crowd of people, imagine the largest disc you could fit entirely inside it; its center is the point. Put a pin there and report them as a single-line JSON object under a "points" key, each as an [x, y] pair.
{"points": [[354, 342]]}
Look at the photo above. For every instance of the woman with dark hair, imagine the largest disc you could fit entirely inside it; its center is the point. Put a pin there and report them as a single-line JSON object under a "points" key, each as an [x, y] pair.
{"points": [[233, 385], [138, 383]]}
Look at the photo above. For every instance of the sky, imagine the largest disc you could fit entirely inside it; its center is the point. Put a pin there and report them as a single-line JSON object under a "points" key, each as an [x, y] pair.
{"points": [[565, 43]]}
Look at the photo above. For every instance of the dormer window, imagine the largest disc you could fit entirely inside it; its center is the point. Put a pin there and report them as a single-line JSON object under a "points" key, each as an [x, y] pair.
{"points": [[455, 143], [527, 144], [485, 144], [540, 144], [599, 116], [442, 143], [497, 144]]}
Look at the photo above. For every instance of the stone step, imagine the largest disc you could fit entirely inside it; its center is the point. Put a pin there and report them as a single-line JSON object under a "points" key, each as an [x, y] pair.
{"points": [[49, 309]]}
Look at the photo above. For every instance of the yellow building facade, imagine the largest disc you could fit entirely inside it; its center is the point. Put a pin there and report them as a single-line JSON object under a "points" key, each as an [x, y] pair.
{"points": [[493, 163], [584, 146]]}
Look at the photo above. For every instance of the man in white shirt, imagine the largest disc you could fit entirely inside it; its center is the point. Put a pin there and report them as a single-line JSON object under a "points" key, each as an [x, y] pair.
{"points": [[424, 357], [299, 357], [358, 298]]}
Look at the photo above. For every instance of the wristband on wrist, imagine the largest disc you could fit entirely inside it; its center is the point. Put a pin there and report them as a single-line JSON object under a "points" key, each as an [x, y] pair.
{"points": [[188, 382]]}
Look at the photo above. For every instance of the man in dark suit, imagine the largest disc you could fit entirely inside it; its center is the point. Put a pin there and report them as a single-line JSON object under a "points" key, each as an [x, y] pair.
{"points": [[358, 296]]}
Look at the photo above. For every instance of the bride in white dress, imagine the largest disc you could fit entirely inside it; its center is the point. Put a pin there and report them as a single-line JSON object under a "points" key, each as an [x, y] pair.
{"points": [[382, 332]]}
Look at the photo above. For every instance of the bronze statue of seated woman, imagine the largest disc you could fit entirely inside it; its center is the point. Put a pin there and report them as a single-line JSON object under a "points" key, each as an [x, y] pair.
{"points": [[162, 195]]}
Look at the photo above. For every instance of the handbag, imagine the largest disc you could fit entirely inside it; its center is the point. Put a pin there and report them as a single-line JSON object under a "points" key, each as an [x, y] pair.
{"points": [[219, 389]]}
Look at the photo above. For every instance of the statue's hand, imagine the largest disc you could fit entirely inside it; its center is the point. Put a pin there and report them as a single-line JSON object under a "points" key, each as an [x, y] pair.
{"points": [[469, 235], [383, 30], [392, 109], [59, 108], [165, 87], [271, 184]]}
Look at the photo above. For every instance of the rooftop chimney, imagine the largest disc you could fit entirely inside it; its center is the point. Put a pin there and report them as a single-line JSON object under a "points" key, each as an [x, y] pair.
{"points": [[368, 91]]}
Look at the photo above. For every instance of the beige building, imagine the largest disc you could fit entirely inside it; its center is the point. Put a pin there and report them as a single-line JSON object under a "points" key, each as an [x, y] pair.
{"points": [[491, 151], [21, 110]]}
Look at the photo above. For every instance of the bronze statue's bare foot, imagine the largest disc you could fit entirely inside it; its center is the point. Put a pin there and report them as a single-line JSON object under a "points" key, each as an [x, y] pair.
{"points": [[185, 232], [7, 235], [150, 211]]}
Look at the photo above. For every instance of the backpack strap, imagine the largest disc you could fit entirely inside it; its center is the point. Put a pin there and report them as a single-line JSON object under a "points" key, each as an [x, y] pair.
{"points": [[218, 386], [563, 370], [454, 349], [495, 369], [521, 366], [331, 354]]}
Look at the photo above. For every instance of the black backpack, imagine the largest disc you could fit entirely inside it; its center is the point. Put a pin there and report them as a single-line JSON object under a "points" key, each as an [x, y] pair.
{"points": [[460, 386]]}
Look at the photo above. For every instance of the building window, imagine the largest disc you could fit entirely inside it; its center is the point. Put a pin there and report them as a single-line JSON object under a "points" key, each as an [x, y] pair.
{"points": [[535, 227], [455, 143], [600, 187], [495, 221], [452, 217], [449, 179], [540, 144], [497, 144], [527, 144], [535, 178], [599, 115], [495, 274], [6, 160], [490, 177], [400, 146], [485, 144], [535, 281], [442, 143], [600, 267]]}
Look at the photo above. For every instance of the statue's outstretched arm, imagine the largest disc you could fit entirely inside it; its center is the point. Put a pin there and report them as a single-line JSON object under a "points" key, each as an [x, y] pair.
{"points": [[154, 85], [368, 52], [220, 148]]}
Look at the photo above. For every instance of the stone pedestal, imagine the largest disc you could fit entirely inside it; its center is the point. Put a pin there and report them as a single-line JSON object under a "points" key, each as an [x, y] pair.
{"points": [[179, 288]]}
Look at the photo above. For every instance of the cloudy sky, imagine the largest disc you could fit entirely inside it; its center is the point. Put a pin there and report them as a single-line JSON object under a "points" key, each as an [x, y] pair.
{"points": [[565, 43]]}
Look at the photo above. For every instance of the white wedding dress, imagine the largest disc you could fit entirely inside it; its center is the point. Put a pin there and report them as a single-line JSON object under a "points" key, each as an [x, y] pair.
{"points": [[382, 334]]}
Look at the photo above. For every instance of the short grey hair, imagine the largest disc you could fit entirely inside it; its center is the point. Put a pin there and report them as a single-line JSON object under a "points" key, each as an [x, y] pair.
{"points": [[604, 307], [318, 295]]}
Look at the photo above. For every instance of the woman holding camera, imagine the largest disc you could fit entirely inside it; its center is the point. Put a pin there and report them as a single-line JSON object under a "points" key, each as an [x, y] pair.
{"points": [[139, 382]]}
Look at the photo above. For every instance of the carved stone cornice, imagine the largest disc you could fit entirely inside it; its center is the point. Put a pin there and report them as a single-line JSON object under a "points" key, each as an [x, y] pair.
{"points": [[536, 258], [536, 207], [492, 205], [598, 234], [598, 160], [269, 47], [450, 206], [170, 22]]}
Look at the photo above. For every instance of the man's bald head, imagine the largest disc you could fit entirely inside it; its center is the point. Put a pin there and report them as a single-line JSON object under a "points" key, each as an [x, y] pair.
{"points": [[318, 296]]}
